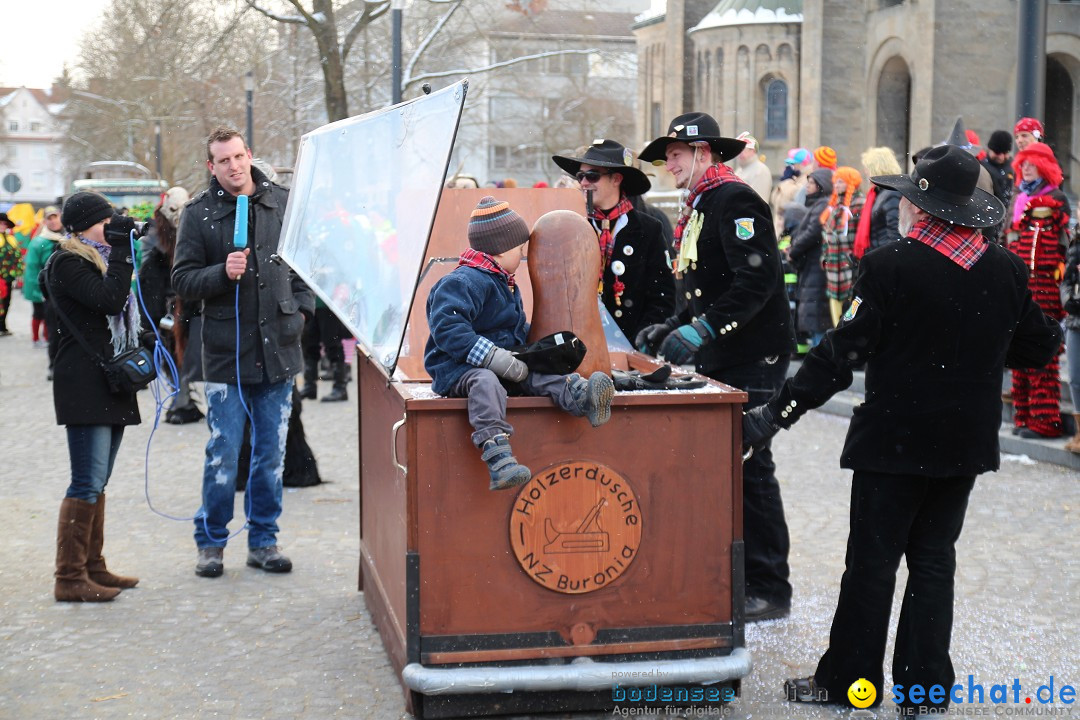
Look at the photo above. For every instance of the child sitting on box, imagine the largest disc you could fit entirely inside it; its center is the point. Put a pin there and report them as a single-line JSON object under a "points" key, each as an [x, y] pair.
{"points": [[474, 314]]}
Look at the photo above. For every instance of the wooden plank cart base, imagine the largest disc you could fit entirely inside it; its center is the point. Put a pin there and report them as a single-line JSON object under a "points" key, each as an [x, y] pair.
{"points": [[622, 555]]}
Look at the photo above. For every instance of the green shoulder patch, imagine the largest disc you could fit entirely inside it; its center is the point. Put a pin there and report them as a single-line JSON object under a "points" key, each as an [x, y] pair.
{"points": [[744, 228]]}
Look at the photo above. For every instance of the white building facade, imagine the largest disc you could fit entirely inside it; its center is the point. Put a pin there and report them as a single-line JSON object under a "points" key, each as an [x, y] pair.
{"points": [[31, 146]]}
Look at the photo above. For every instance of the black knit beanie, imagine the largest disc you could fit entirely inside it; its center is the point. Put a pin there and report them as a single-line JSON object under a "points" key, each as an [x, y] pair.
{"points": [[84, 210], [494, 228], [1000, 142]]}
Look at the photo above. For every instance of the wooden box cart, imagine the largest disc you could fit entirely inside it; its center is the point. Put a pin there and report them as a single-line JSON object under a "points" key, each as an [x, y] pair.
{"points": [[618, 566]]}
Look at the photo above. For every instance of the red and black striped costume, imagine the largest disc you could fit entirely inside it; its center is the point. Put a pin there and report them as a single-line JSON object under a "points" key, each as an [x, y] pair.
{"points": [[1036, 393]]}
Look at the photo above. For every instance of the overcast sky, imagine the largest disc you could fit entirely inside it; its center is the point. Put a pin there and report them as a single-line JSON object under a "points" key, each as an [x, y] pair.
{"points": [[40, 36]]}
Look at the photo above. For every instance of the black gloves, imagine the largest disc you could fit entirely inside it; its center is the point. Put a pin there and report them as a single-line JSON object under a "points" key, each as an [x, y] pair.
{"points": [[118, 230], [681, 344], [505, 365], [758, 427], [648, 339], [764, 421]]}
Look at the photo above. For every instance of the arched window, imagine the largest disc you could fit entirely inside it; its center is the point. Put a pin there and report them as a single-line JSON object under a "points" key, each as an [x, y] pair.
{"points": [[776, 106]]}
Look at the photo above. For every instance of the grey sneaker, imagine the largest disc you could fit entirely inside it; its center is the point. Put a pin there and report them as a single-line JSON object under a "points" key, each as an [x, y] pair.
{"points": [[269, 559], [210, 562]]}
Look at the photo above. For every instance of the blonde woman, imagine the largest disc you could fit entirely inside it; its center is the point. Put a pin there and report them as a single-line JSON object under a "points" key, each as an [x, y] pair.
{"points": [[89, 284], [880, 221]]}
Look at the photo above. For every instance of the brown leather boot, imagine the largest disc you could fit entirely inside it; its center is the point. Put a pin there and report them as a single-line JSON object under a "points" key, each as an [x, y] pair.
{"points": [[72, 537], [1074, 444], [95, 563]]}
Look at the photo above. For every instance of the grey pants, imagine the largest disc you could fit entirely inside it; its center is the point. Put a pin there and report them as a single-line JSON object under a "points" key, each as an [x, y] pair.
{"points": [[487, 399]]}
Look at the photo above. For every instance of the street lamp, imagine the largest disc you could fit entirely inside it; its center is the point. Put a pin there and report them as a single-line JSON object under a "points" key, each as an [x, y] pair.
{"points": [[157, 147], [249, 89], [1031, 59], [395, 51]]}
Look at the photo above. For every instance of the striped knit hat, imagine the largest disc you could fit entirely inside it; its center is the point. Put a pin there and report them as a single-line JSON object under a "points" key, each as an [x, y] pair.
{"points": [[494, 228], [826, 157]]}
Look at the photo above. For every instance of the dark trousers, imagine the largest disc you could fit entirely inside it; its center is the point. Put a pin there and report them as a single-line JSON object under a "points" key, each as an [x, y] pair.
{"points": [[54, 337], [894, 516], [5, 302], [487, 399], [765, 531], [326, 330]]}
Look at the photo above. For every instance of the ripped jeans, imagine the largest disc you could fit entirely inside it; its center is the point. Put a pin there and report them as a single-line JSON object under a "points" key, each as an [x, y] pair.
{"points": [[270, 405]]}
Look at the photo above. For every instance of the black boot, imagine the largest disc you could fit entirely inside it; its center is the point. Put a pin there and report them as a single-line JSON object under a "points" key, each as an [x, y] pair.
{"points": [[310, 390], [339, 393]]}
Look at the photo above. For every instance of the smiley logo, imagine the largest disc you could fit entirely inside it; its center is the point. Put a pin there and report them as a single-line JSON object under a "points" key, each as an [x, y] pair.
{"points": [[862, 693]]}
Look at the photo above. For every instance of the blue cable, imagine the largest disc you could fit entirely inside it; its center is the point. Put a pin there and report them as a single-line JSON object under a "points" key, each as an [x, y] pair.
{"points": [[164, 362]]}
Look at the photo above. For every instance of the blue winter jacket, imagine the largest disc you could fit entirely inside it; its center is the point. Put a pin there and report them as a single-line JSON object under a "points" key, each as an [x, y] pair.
{"points": [[469, 311]]}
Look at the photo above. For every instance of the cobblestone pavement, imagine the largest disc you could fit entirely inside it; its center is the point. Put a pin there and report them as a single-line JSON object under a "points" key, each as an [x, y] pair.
{"points": [[253, 645]]}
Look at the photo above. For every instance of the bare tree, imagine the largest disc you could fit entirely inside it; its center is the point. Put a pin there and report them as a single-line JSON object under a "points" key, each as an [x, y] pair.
{"points": [[141, 74], [322, 21]]}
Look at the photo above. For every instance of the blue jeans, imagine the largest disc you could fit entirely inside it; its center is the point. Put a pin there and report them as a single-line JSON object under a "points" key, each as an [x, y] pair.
{"points": [[92, 449], [270, 405]]}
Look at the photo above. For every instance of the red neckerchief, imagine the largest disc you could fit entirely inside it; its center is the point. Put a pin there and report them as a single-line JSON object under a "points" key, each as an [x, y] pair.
{"points": [[862, 233], [607, 240], [714, 177], [483, 261], [964, 246]]}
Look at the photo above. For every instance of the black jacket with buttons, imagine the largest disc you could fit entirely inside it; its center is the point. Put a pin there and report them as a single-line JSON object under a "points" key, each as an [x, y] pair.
{"points": [[271, 295], [649, 294], [737, 282], [935, 339]]}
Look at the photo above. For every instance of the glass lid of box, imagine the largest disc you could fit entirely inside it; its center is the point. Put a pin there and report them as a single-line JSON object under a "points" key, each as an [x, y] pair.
{"points": [[360, 211]]}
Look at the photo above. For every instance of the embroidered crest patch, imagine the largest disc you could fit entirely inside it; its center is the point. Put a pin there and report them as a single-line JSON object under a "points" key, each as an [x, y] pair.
{"points": [[744, 228], [853, 308]]}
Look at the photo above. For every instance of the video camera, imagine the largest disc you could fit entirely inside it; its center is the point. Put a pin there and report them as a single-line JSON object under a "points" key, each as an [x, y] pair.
{"points": [[120, 227]]}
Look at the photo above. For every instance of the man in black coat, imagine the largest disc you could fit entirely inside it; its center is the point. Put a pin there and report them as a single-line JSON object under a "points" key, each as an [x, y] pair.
{"points": [[998, 163], [936, 318], [736, 327], [244, 291], [636, 283]]}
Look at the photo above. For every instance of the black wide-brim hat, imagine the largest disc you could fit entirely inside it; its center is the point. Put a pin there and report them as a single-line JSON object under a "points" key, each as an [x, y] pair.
{"points": [[609, 154], [555, 354], [691, 128], [943, 184]]}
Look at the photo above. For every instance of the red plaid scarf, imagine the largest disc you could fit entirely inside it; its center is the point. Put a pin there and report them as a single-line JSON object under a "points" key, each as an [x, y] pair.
{"points": [[964, 246], [607, 239], [714, 177], [483, 261]]}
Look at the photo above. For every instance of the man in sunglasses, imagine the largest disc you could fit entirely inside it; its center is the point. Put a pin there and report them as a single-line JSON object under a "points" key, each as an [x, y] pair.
{"points": [[636, 282], [736, 327]]}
